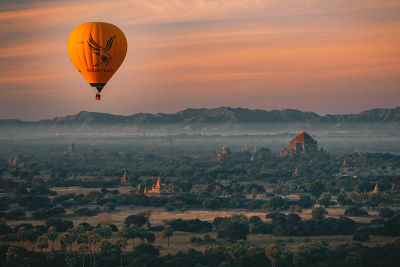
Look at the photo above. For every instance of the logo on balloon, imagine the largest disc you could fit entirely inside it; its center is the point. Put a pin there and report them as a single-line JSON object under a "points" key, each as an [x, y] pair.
{"points": [[100, 51]]}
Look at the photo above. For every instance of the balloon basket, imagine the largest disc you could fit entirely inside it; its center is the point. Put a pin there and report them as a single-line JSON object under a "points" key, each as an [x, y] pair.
{"points": [[97, 96]]}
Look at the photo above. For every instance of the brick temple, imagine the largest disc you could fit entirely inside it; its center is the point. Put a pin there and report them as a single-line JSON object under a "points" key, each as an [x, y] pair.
{"points": [[303, 143]]}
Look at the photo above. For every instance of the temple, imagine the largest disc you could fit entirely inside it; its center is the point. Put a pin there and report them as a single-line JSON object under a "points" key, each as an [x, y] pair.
{"points": [[303, 143], [376, 189], [15, 163], [347, 170], [124, 178], [158, 189], [155, 189], [223, 154]]}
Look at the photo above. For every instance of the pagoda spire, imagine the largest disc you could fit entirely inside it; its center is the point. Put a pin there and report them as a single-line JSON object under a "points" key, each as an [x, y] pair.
{"points": [[158, 183], [124, 178], [376, 189]]}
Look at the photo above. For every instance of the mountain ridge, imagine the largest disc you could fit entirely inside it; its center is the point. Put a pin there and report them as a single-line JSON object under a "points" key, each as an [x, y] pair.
{"points": [[215, 115]]}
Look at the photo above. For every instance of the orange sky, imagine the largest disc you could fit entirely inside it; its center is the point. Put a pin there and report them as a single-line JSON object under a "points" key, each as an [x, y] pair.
{"points": [[323, 56]]}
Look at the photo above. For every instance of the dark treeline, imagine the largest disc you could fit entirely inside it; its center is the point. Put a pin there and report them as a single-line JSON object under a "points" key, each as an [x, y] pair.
{"points": [[237, 254]]}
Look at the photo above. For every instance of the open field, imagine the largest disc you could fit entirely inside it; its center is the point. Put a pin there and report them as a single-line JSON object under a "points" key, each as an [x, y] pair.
{"points": [[181, 241], [82, 190], [160, 215]]}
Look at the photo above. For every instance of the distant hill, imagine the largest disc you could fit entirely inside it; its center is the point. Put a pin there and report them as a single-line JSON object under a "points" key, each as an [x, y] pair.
{"points": [[215, 115], [372, 115]]}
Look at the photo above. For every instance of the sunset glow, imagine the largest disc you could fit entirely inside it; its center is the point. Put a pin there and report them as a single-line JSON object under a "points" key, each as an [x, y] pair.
{"points": [[322, 56]]}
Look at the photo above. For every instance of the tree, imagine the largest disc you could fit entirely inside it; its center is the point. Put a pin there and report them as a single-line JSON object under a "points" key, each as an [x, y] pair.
{"points": [[254, 192], [104, 231], [354, 258], [68, 238], [150, 237], [146, 255], [132, 233], [361, 234], [61, 225], [52, 235], [273, 252], [54, 212], [391, 226], [319, 213], [234, 228], [311, 254], [342, 199], [71, 259], [4, 228], [42, 242], [386, 213], [185, 186], [142, 233], [277, 203], [305, 202], [325, 199], [167, 232], [356, 198], [237, 252], [82, 238], [82, 249], [63, 244], [211, 203], [105, 249], [355, 211], [32, 237], [93, 239], [121, 244], [12, 256], [317, 188], [15, 215], [94, 196], [138, 220], [22, 234]]}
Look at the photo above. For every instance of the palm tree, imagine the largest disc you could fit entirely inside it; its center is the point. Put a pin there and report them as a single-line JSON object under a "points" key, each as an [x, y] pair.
{"points": [[105, 248], [142, 233], [273, 252], [168, 232], [133, 231], [63, 243], [52, 234], [43, 242], [67, 239], [150, 237], [32, 237], [121, 243], [22, 235], [82, 238], [82, 249], [104, 231], [12, 256], [93, 239]]}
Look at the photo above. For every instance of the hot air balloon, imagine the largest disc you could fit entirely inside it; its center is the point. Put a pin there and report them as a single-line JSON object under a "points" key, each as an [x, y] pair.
{"points": [[97, 49]]}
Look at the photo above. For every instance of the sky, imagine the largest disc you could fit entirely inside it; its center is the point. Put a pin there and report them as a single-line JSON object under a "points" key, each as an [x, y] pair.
{"points": [[337, 56]]}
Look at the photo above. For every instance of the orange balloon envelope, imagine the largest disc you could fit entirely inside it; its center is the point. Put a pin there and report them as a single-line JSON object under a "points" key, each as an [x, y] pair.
{"points": [[97, 49]]}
